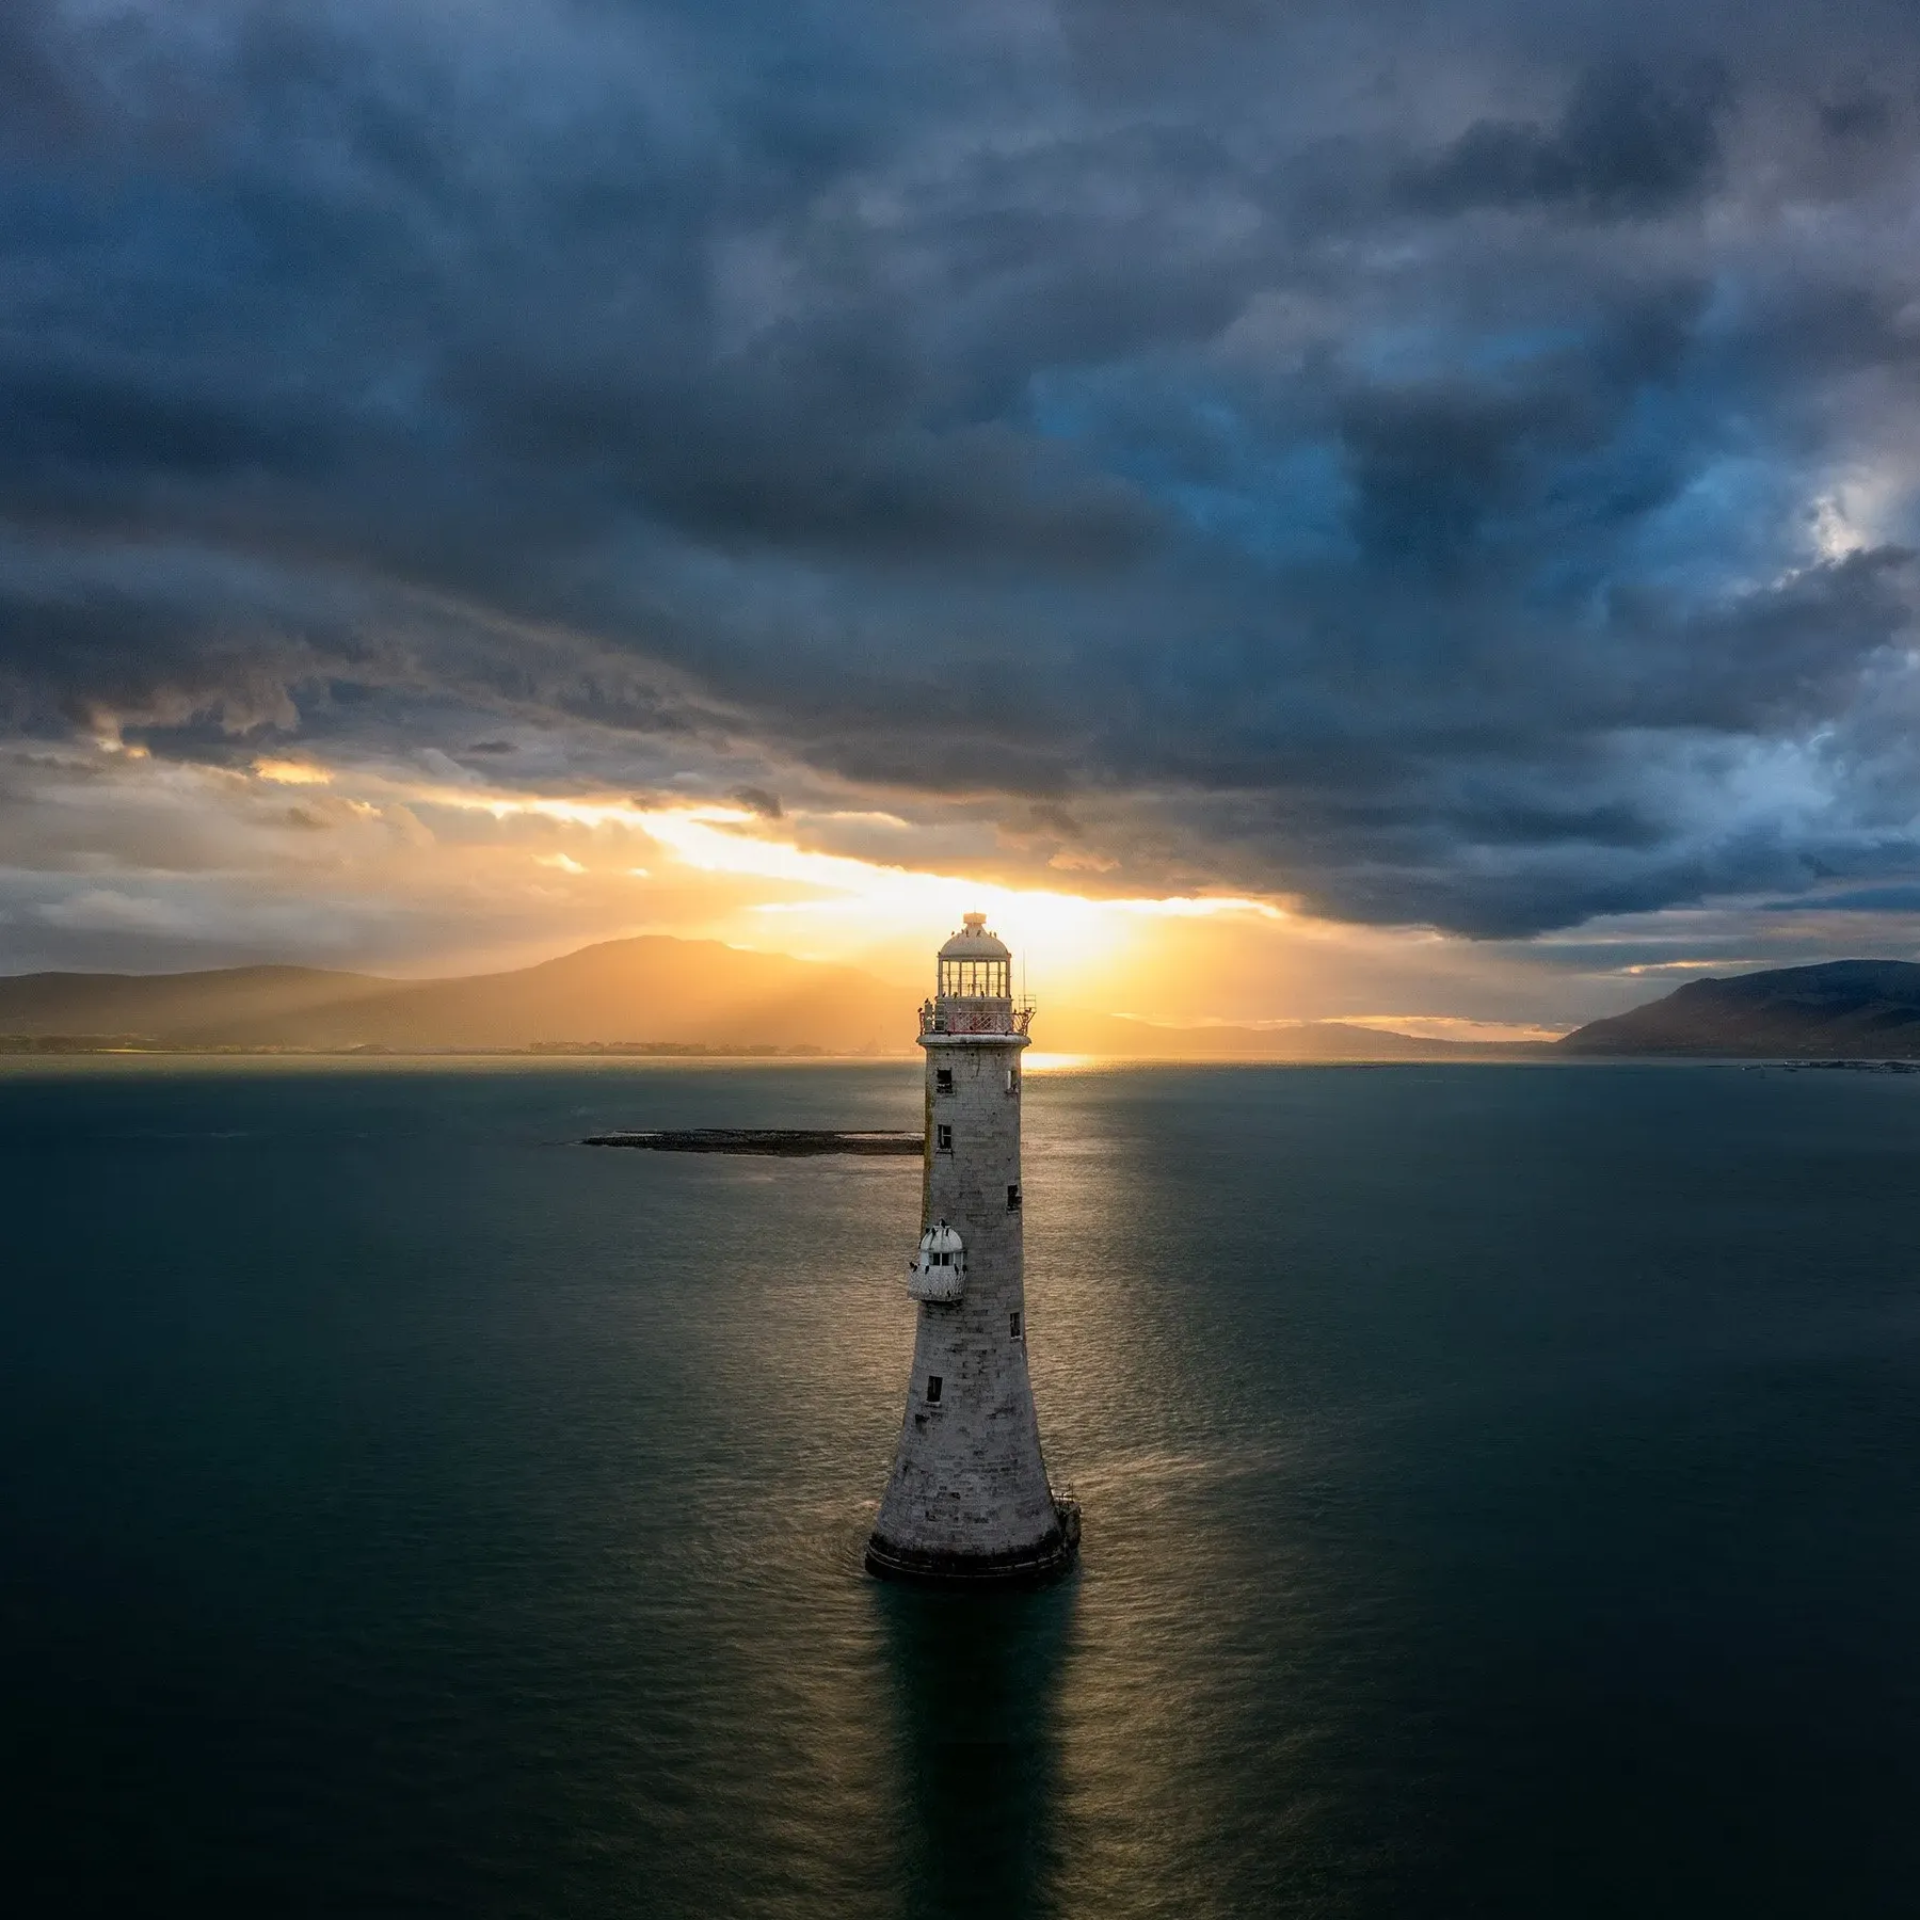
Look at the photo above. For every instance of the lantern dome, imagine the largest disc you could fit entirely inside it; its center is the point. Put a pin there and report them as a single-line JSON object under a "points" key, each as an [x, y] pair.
{"points": [[974, 942]]}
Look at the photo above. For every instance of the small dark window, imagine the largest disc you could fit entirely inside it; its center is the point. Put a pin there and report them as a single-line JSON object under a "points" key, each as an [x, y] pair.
{"points": [[943, 1079], [1013, 1325], [933, 1389], [943, 1139], [1013, 1198]]}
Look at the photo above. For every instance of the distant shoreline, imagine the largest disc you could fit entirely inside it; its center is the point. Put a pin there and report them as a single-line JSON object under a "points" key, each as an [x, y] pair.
{"points": [[54, 1047], [74, 1046], [133, 1047]]}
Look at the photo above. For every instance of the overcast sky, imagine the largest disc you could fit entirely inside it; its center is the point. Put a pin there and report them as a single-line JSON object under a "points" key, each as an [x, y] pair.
{"points": [[1442, 476]]}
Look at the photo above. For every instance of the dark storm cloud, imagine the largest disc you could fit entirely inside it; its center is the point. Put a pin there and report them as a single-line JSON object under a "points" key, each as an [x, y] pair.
{"points": [[1627, 145], [1454, 471], [759, 800]]}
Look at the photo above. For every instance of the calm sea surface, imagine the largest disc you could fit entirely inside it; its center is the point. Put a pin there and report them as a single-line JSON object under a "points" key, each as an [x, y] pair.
{"points": [[1502, 1496]]}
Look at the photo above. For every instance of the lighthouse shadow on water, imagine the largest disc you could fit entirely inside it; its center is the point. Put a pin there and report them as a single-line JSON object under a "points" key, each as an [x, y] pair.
{"points": [[976, 1683], [971, 1535]]}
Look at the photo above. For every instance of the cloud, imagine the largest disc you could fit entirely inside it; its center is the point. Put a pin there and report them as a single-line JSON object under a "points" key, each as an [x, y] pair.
{"points": [[107, 910], [1628, 145], [1326, 452]]}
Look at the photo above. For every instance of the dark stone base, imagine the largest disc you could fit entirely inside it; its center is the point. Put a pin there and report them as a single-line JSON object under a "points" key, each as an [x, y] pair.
{"points": [[1035, 1566]]}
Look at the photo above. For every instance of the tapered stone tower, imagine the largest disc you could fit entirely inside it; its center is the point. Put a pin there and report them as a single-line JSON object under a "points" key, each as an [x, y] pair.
{"points": [[969, 1503]]}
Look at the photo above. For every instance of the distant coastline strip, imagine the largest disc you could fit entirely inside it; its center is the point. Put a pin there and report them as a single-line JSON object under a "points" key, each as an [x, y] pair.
{"points": [[791, 1142]]}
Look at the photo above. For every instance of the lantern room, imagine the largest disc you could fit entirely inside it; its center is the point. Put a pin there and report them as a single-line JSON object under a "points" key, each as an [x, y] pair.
{"points": [[975, 964]]}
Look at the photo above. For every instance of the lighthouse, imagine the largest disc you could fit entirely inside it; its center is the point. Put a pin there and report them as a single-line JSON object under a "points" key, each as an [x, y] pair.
{"points": [[969, 1503]]}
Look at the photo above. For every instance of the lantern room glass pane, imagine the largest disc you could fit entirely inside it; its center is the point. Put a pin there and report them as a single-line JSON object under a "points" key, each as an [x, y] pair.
{"points": [[976, 979]]}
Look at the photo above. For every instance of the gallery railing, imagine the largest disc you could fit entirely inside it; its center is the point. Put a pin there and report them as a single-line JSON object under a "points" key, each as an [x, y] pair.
{"points": [[956, 1016]]}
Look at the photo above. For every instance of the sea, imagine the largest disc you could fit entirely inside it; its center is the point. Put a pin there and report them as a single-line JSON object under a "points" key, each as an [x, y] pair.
{"points": [[1501, 1492]]}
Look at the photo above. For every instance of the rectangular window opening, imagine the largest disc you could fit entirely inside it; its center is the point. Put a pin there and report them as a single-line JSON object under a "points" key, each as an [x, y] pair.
{"points": [[943, 1079], [943, 1139], [1013, 1325], [1013, 1198], [934, 1384], [1013, 1080]]}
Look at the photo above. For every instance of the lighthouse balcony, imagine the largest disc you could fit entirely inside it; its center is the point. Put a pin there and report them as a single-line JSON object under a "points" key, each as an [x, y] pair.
{"points": [[950, 1015], [938, 1271]]}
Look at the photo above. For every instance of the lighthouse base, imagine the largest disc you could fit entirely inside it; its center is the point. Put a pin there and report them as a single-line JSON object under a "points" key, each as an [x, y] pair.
{"points": [[1035, 1566]]}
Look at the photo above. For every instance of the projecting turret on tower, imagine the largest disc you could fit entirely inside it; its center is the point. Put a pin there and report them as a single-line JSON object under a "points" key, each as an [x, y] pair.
{"points": [[939, 1270], [969, 1502]]}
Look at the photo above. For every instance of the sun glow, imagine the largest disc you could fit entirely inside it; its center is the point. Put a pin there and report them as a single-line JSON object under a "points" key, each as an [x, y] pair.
{"points": [[424, 867], [836, 904]]}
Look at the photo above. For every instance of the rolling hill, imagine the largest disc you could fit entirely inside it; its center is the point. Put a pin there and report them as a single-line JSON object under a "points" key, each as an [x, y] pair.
{"points": [[1842, 1010], [1114, 1036], [653, 990]]}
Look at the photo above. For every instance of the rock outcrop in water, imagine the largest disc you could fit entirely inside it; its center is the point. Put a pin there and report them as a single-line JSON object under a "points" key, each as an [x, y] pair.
{"points": [[782, 1142], [1843, 1010]]}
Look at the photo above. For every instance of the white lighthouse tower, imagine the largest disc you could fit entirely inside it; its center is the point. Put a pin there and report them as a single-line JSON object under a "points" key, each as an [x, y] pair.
{"points": [[969, 1502]]}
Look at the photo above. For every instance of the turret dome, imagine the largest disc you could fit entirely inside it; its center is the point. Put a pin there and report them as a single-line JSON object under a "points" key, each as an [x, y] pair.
{"points": [[939, 1269]]}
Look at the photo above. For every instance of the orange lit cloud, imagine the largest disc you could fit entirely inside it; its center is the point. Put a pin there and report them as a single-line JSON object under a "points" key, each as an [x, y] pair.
{"points": [[421, 867], [292, 773]]}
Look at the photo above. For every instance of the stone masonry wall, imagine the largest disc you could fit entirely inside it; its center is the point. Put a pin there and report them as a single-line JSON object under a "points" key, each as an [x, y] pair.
{"points": [[969, 1478]]}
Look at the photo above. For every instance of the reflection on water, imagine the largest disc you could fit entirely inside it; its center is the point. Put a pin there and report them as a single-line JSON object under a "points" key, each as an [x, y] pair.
{"points": [[1498, 1486], [976, 1684]]}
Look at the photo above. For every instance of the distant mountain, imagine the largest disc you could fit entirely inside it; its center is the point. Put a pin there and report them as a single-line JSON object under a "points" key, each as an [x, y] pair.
{"points": [[1844, 1010], [1069, 1030], [655, 990]]}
